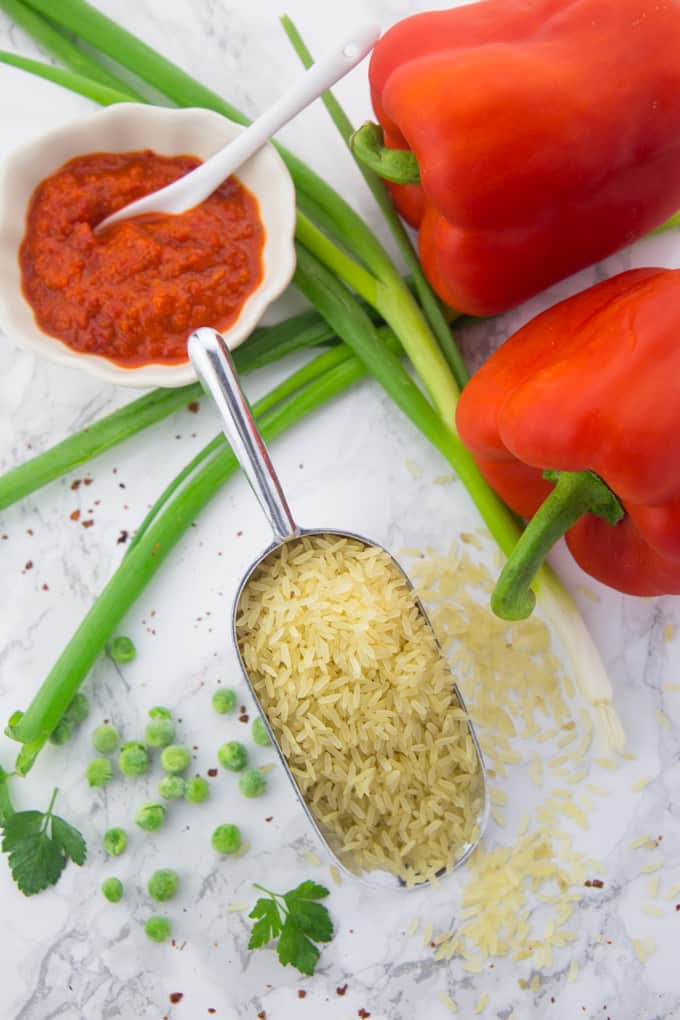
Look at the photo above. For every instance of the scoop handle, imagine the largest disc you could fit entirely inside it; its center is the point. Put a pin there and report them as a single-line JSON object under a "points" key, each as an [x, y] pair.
{"points": [[214, 367]]}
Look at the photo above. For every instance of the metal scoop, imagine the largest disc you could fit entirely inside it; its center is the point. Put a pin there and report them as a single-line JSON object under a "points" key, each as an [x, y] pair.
{"points": [[214, 367]]}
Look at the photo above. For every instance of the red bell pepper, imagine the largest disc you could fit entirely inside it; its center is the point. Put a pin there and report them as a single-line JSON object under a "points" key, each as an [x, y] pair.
{"points": [[543, 134], [589, 389]]}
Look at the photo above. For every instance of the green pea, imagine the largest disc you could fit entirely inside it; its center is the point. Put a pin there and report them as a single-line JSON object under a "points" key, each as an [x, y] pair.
{"points": [[163, 884], [133, 759], [122, 649], [252, 783], [61, 733], [160, 732], [176, 758], [197, 790], [259, 732], [171, 788], [150, 817], [79, 709], [105, 738], [115, 841], [160, 712], [232, 756], [224, 700], [158, 929], [112, 888], [226, 839], [99, 772]]}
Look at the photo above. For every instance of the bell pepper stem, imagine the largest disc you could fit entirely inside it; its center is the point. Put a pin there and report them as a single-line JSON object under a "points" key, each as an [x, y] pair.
{"points": [[397, 165], [576, 493]]}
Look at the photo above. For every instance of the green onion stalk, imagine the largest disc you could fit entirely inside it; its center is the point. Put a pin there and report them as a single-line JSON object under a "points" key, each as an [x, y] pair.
{"points": [[339, 258], [266, 345]]}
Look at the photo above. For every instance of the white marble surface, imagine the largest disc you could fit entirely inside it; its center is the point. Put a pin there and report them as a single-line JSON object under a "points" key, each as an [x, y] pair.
{"points": [[67, 953]]}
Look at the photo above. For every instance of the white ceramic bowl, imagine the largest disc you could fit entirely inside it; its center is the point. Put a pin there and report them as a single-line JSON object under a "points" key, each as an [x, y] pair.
{"points": [[122, 128]]}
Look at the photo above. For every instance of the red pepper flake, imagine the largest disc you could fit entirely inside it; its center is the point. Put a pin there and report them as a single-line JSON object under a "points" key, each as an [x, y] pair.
{"points": [[88, 481], [176, 996], [75, 515], [238, 534], [212, 773], [301, 993], [270, 819], [363, 1013], [75, 485], [677, 907], [598, 883], [28, 565], [5, 537], [88, 523], [123, 537], [45, 588], [262, 1015], [341, 990], [244, 718], [194, 407], [29, 531]]}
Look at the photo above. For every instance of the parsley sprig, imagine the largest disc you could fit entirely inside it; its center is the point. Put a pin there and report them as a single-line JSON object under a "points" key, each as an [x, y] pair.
{"points": [[39, 844], [296, 920]]}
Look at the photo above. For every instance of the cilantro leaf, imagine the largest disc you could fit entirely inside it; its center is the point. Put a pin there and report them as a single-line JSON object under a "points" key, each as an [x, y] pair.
{"points": [[19, 826], [36, 862], [269, 924], [295, 948], [306, 891], [69, 840]]}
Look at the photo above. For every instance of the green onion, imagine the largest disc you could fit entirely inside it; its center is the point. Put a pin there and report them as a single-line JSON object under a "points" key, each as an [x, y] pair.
{"points": [[102, 94], [55, 42], [428, 300], [266, 345], [6, 806]]}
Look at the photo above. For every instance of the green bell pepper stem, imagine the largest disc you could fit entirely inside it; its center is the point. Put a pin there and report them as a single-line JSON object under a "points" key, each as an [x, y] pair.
{"points": [[576, 493], [399, 166]]}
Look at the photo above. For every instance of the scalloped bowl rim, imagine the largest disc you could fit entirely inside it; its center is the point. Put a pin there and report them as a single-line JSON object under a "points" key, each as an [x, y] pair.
{"points": [[121, 128]]}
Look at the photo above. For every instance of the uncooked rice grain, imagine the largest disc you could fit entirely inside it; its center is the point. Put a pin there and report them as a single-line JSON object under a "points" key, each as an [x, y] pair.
{"points": [[362, 703]]}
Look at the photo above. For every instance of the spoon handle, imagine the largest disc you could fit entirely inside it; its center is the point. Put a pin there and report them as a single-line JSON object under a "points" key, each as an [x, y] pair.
{"points": [[212, 361], [320, 76], [194, 187]]}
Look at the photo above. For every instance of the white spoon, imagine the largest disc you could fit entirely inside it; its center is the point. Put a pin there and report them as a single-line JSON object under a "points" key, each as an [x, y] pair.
{"points": [[194, 187]]}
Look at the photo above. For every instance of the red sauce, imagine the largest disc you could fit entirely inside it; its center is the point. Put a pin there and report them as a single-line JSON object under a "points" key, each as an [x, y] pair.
{"points": [[134, 293]]}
